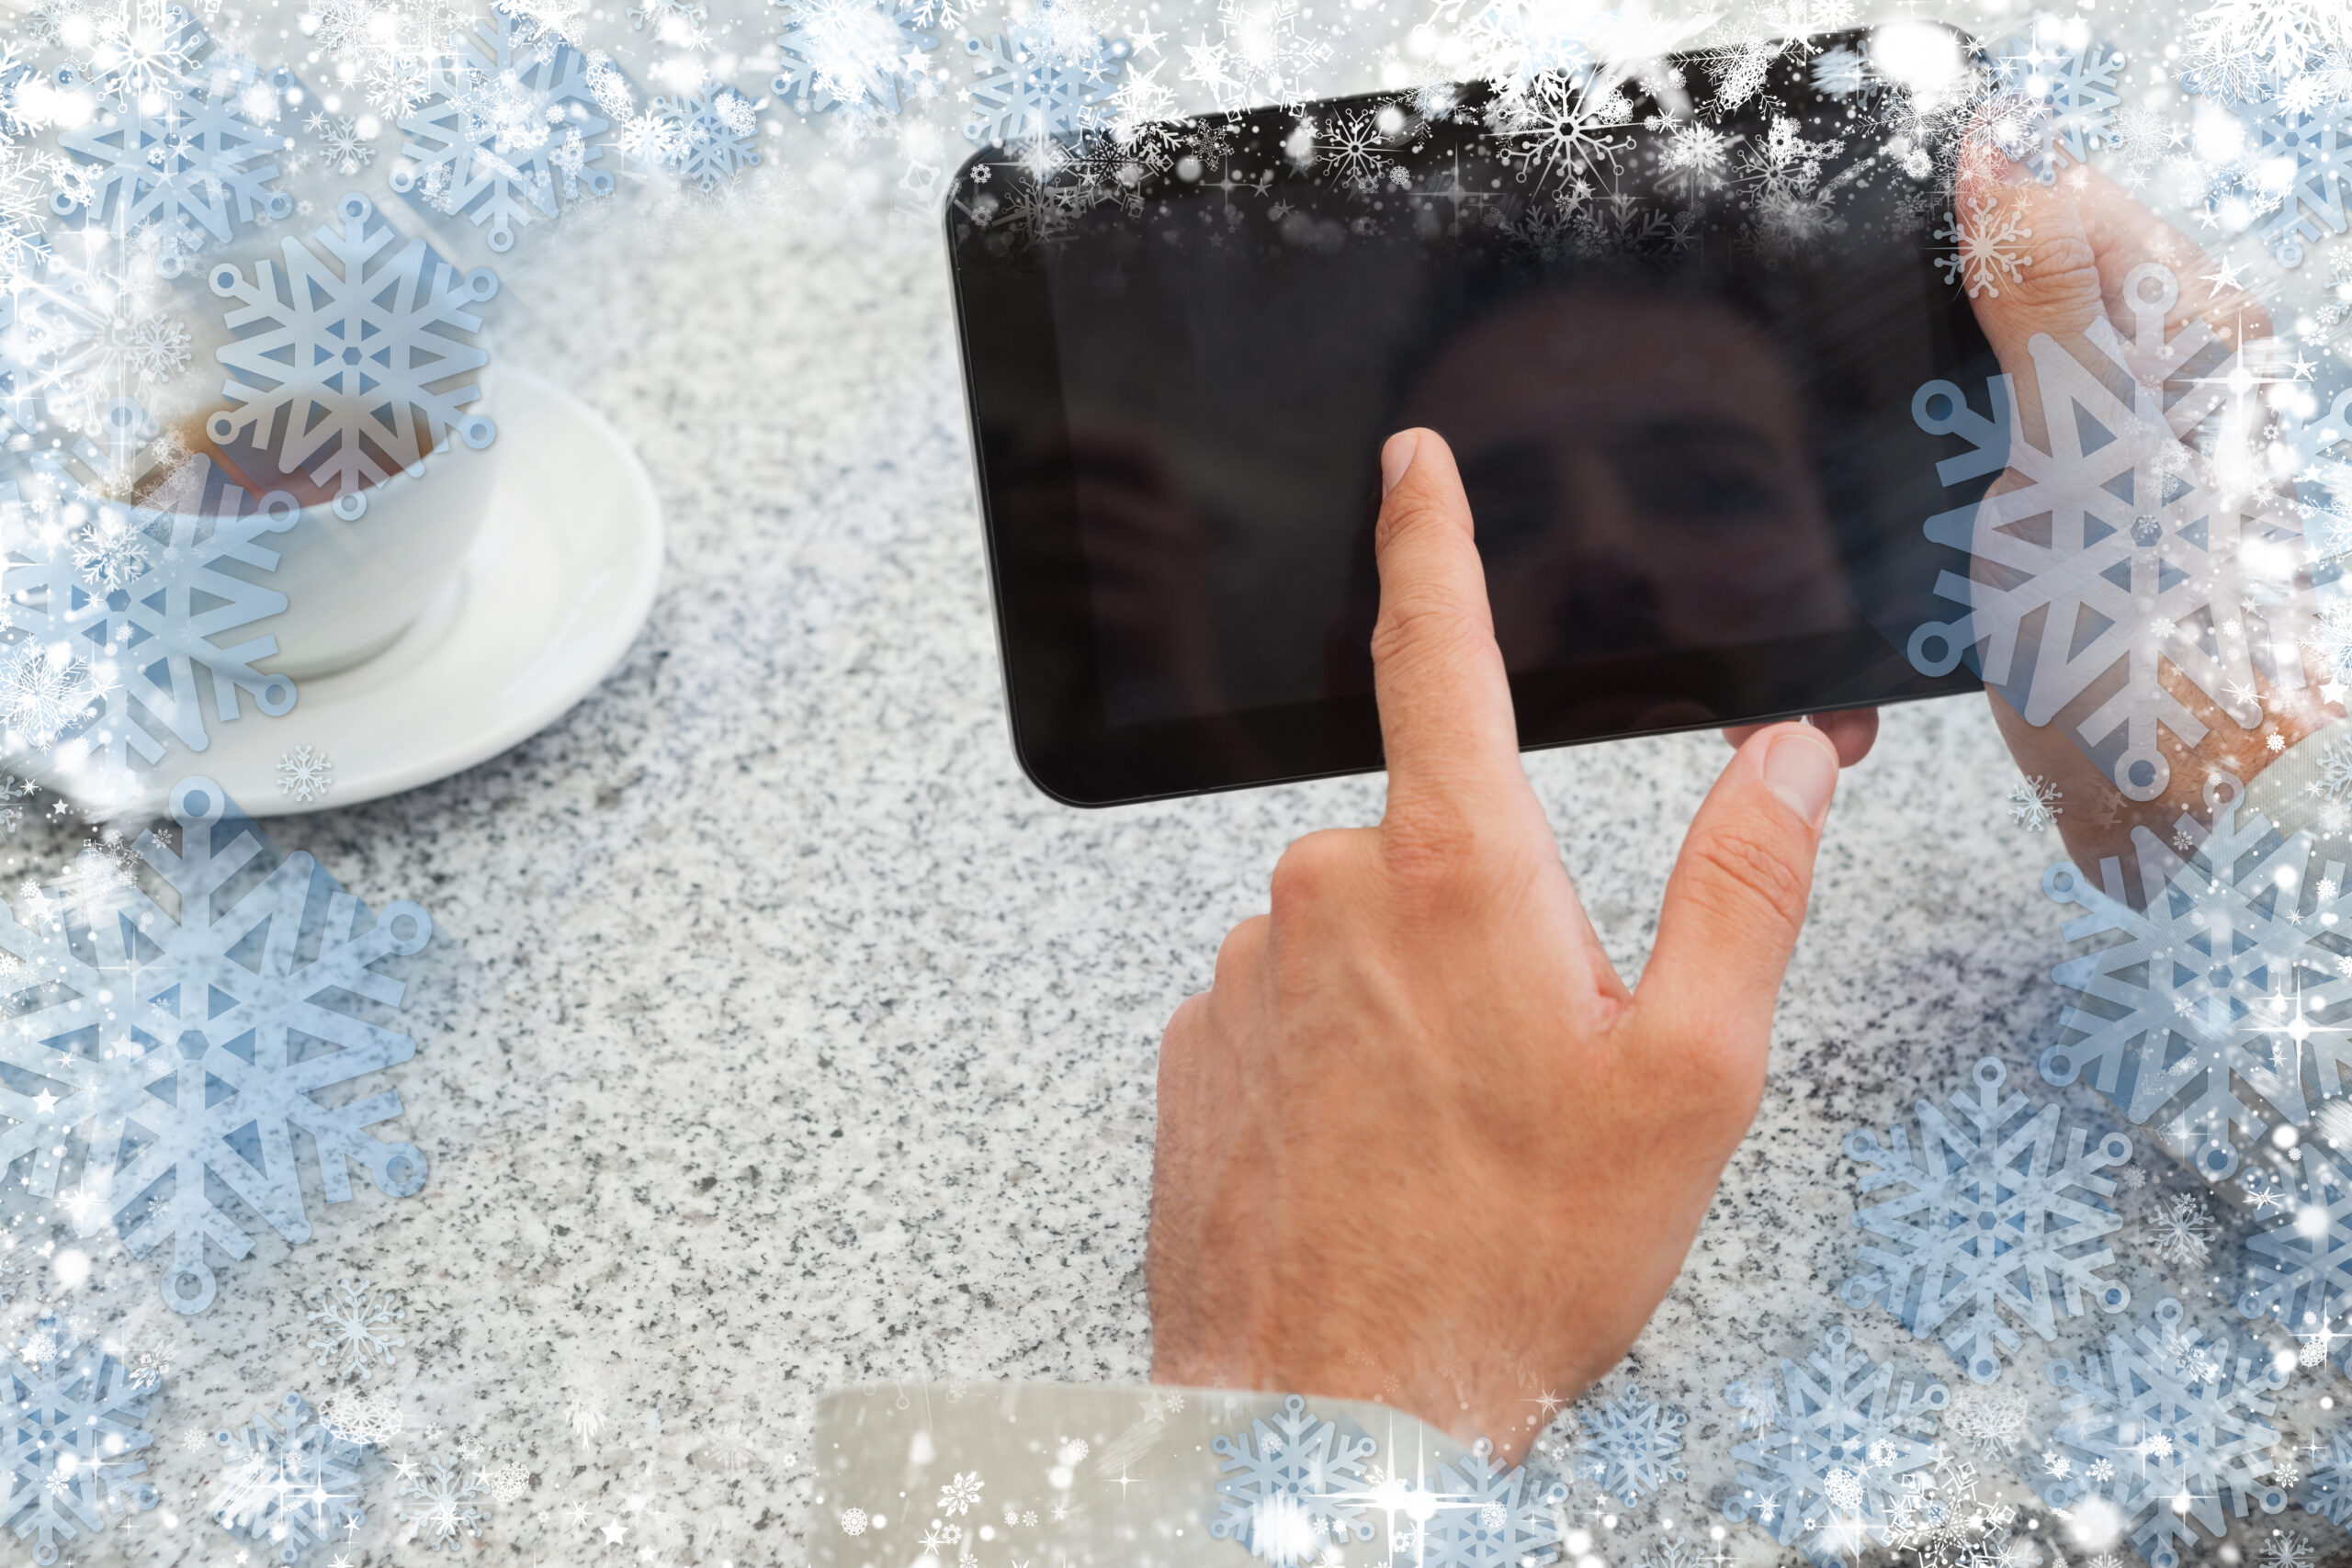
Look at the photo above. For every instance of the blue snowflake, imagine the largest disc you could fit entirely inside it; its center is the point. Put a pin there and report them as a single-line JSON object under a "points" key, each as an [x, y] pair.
{"points": [[1990, 1216], [75, 1420], [851, 54], [290, 1482], [190, 170], [108, 612], [2327, 1490], [1293, 1484], [1827, 1468], [706, 135], [1026, 87], [441, 1502], [1629, 1443], [2299, 1265], [506, 134], [2290, 181], [2170, 1430], [187, 1048], [1487, 1514], [353, 365], [2064, 81], [2210, 987]]}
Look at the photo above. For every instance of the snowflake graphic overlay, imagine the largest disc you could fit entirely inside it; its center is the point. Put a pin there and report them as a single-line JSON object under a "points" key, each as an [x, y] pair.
{"points": [[112, 609], [2183, 1229], [2034, 804], [1987, 247], [353, 351], [304, 774], [705, 136], [76, 1425], [1629, 1443], [850, 55], [441, 1502], [192, 168], [1833, 1445], [507, 133], [2215, 985], [2291, 178], [291, 1482], [355, 1326], [216, 1030], [2327, 1491], [2140, 561], [1487, 1514], [2299, 1265], [1988, 1215], [1028, 87], [2174, 1429], [1293, 1484], [2068, 79]]}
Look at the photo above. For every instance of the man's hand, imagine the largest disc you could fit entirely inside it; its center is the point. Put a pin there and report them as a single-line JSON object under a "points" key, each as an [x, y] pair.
{"points": [[1418, 1143]]}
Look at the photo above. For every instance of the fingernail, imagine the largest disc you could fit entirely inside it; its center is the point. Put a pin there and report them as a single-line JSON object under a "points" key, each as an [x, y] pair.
{"points": [[1802, 769], [1396, 457]]}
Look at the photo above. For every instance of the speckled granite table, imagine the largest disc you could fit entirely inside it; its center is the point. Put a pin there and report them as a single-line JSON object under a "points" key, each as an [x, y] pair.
{"points": [[783, 1037]]}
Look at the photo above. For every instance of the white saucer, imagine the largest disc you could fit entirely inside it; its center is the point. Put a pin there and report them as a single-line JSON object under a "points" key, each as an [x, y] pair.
{"points": [[554, 590]]}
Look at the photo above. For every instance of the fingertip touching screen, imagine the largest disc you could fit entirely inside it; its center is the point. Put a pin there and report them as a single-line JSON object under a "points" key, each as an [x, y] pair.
{"points": [[1682, 403]]}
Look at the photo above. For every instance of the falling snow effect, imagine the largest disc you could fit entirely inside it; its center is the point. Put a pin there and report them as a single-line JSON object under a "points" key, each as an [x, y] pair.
{"points": [[355, 1333], [1824, 1470], [2289, 181], [2181, 1231], [1026, 88], [2298, 1264], [193, 171], [439, 1501], [2177, 1428], [1988, 247], [304, 774], [2327, 1491], [2069, 78], [1999, 1217], [1487, 1514], [227, 1017]]}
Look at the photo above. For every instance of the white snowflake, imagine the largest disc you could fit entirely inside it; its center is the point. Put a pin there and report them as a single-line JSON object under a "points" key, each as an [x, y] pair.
{"points": [[2187, 1435], [303, 387], [2235, 49], [1356, 148], [2298, 1264], [2068, 78], [1571, 132], [230, 1014], [1294, 1485], [356, 1328], [2215, 982], [1991, 1423], [136, 53], [1842, 72], [290, 1482], [346, 151], [367, 1416], [507, 1481], [853, 1521], [440, 1503], [1987, 247], [1825, 1472], [76, 1425], [1028, 87], [2033, 804], [853, 55], [1675, 1551], [2182, 1229], [961, 1493], [507, 131], [2285, 1549], [304, 774], [1629, 1443], [1259, 55], [1997, 1209], [2173, 585]]}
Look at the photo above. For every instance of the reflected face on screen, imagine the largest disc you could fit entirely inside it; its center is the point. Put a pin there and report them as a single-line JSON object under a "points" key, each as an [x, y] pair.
{"points": [[1637, 471]]}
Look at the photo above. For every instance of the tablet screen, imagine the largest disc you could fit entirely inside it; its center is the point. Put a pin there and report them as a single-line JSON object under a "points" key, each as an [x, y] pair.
{"points": [[1681, 405]]}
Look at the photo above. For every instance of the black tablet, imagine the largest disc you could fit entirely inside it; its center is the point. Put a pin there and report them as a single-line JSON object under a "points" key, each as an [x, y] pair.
{"points": [[1673, 341]]}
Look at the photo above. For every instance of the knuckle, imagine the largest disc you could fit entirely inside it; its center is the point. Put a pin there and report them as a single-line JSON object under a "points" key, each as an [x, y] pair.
{"points": [[1753, 872], [1420, 623], [1406, 512], [1308, 870], [1433, 853], [1235, 958], [2063, 281]]}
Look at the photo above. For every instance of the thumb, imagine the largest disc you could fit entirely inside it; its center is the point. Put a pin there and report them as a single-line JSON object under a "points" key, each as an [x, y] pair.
{"points": [[2053, 289], [1736, 899]]}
